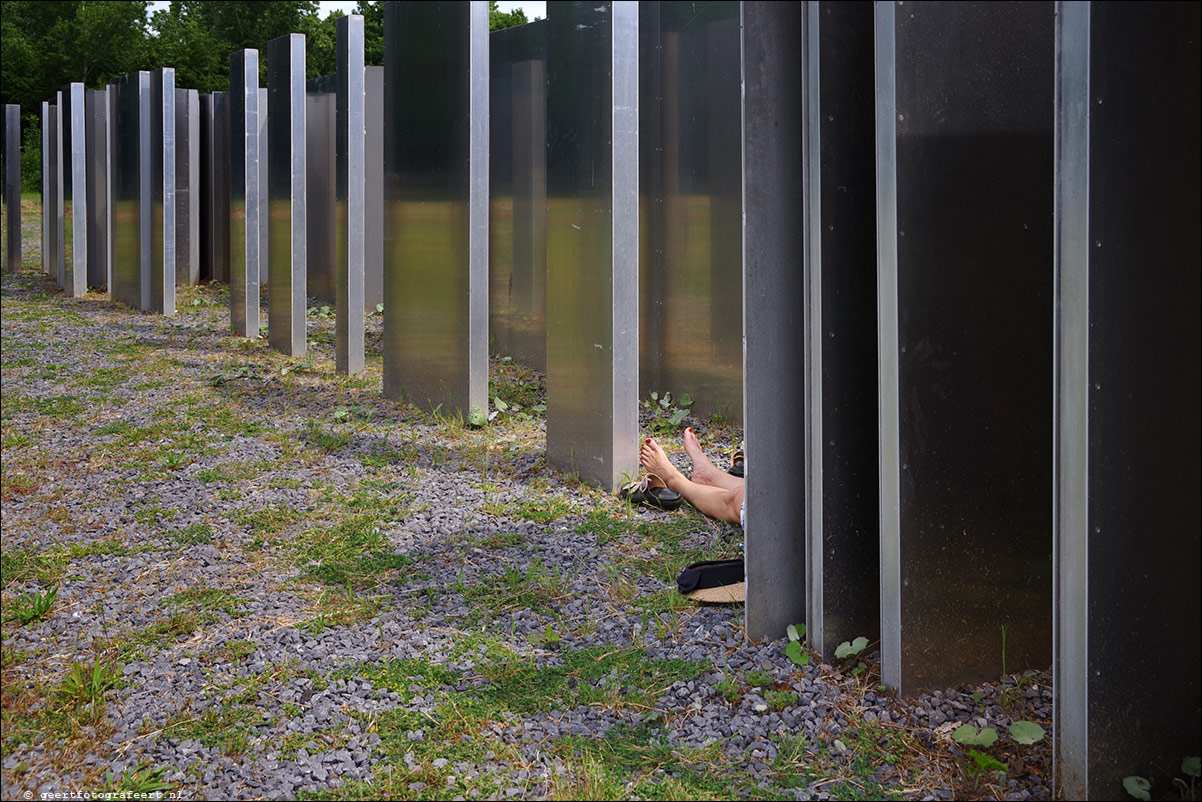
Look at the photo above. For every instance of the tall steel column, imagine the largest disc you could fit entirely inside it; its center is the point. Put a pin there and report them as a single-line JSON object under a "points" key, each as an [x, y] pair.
{"points": [[320, 167], [965, 166], [215, 187], [73, 122], [130, 97], [593, 240], [187, 187], [517, 226], [842, 516], [774, 293], [373, 195], [98, 169], [46, 194], [690, 265], [12, 187], [287, 221], [161, 147], [245, 193], [349, 196], [1128, 623], [436, 204], [53, 166]]}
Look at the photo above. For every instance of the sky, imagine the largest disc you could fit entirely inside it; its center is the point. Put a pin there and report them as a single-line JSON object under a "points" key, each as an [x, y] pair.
{"points": [[532, 9]]}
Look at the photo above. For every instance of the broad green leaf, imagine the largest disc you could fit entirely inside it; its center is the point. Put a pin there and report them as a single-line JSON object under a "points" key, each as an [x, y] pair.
{"points": [[686, 400], [793, 652], [969, 735], [1026, 732], [1190, 766], [1138, 787], [792, 632], [842, 650], [476, 417]]}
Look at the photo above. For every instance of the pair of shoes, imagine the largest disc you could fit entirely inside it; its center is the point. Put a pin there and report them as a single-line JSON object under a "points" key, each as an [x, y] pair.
{"points": [[736, 464], [652, 491]]}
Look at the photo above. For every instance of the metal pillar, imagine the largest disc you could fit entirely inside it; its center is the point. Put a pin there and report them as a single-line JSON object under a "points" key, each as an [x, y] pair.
{"points": [[98, 176], [53, 166], [965, 163], [244, 195], [1128, 616], [215, 187], [12, 187], [690, 266], [373, 196], [73, 124], [130, 94], [287, 221], [161, 147], [436, 205], [774, 245], [187, 187], [592, 240], [46, 197], [320, 167], [517, 226], [350, 188]]}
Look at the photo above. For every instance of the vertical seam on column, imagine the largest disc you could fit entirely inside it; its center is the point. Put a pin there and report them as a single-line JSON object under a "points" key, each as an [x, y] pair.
{"points": [[887, 335], [1070, 585], [812, 204]]}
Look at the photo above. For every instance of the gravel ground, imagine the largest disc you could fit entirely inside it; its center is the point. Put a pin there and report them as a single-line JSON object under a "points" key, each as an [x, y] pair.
{"points": [[220, 624]]}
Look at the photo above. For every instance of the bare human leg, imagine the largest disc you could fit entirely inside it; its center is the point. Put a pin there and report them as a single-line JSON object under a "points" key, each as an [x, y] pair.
{"points": [[717, 502], [705, 472]]}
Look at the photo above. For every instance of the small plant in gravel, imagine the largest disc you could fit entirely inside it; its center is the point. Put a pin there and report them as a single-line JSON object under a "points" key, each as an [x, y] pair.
{"points": [[84, 687], [795, 648], [665, 417], [137, 783], [32, 607]]}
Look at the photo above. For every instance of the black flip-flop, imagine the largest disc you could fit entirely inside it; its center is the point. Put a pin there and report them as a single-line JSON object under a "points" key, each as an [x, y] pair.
{"points": [[652, 491]]}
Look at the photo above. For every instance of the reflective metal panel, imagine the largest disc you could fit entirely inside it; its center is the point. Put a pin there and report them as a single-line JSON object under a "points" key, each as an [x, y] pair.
{"points": [[592, 240], [131, 104], [843, 547], [349, 195], [264, 198], [218, 174], [187, 187], [112, 179], [54, 166], [46, 196], [690, 282], [320, 163], [287, 221], [373, 196], [162, 191], [99, 219], [12, 186], [974, 285], [517, 230], [75, 182], [773, 299], [244, 194], [435, 200], [1128, 395]]}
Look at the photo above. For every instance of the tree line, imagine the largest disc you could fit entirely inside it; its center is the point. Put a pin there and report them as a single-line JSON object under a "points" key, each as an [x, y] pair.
{"points": [[47, 45]]}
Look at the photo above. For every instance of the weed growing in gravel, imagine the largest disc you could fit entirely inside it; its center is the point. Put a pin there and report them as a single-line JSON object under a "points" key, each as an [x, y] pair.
{"points": [[82, 691], [137, 783], [351, 554], [33, 606], [212, 600], [536, 588]]}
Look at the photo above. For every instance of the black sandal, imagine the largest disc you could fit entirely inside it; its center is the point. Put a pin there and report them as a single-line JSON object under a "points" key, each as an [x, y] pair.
{"points": [[652, 491]]}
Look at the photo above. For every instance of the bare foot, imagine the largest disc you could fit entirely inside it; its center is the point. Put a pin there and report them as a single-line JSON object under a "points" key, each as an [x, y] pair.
{"points": [[705, 472], [655, 460]]}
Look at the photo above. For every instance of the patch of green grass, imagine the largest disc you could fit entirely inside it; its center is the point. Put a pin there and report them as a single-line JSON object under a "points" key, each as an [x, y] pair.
{"points": [[202, 597], [536, 587], [542, 510], [192, 534], [341, 609], [611, 677], [59, 406], [226, 473], [398, 675], [327, 440], [232, 651], [104, 378], [351, 554], [268, 520], [606, 526], [133, 645], [503, 540], [16, 440]]}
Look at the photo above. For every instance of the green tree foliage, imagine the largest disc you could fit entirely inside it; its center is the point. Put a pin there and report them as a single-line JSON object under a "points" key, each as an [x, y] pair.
{"points": [[502, 19]]}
